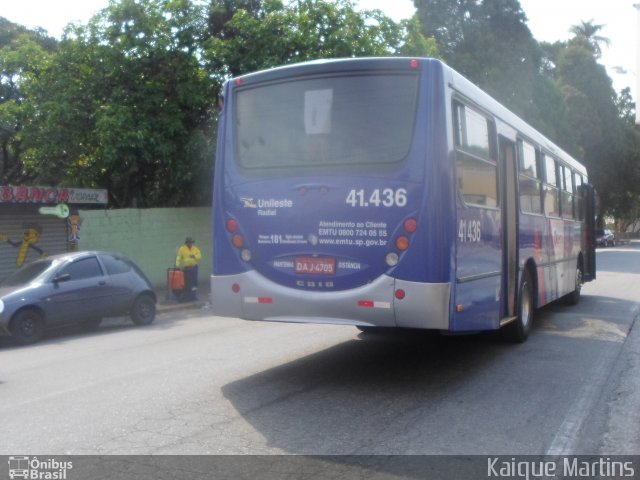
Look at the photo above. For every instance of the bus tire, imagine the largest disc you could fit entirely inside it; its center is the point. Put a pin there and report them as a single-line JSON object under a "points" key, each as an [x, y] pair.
{"points": [[574, 297], [518, 330]]}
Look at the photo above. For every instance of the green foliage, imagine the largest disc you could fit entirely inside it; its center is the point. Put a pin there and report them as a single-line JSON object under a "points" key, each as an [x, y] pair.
{"points": [[626, 107], [258, 38], [490, 44], [23, 56], [126, 102], [127, 106], [595, 120], [559, 88], [415, 43], [588, 31]]}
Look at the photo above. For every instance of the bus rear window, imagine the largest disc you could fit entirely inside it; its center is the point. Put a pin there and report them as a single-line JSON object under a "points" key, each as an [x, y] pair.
{"points": [[326, 121]]}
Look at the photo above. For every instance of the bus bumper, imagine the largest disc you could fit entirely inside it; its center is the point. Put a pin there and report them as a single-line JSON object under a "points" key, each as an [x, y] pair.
{"points": [[251, 296]]}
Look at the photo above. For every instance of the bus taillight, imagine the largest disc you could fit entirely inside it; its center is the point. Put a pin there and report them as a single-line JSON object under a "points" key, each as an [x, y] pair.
{"points": [[410, 225], [232, 225], [402, 243], [237, 240]]}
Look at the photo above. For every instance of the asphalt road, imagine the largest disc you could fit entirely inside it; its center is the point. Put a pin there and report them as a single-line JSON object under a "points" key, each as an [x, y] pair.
{"points": [[196, 384]]}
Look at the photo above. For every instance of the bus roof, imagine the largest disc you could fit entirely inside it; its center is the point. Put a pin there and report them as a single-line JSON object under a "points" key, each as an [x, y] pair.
{"points": [[457, 81]]}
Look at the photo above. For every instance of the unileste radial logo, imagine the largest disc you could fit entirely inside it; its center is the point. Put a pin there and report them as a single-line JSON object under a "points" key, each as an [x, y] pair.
{"points": [[266, 207], [38, 468]]}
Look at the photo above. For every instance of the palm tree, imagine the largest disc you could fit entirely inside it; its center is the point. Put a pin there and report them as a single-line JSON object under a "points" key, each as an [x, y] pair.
{"points": [[588, 31]]}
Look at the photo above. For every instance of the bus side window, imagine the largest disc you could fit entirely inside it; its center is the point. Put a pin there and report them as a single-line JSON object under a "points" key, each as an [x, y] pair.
{"points": [[579, 195], [529, 183], [476, 169], [551, 191], [567, 192]]}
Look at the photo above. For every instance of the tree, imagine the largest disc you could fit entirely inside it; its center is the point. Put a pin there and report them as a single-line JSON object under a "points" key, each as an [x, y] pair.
{"points": [[606, 139], [447, 21], [270, 34], [559, 88], [626, 106], [623, 190], [127, 106], [589, 95], [489, 42], [588, 31], [415, 43], [23, 55], [126, 102]]}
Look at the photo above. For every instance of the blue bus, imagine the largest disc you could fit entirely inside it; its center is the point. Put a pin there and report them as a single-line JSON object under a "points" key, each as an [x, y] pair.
{"points": [[391, 192]]}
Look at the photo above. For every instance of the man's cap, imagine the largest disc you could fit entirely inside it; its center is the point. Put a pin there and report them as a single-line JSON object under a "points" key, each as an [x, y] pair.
{"points": [[189, 240]]}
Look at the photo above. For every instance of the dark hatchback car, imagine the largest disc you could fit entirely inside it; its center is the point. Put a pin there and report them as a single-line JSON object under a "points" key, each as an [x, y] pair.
{"points": [[78, 287], [605, 237]]}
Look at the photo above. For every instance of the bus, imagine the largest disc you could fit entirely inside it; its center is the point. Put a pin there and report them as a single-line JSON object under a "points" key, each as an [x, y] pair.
{"points": [[391, 192]]}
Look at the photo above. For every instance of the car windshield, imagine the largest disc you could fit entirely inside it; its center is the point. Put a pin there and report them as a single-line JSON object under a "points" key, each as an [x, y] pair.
{"points": [[27, 274]]}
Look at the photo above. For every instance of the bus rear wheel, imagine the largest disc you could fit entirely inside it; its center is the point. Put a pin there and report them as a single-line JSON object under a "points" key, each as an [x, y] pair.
{"points": [[518, 330], [574, 297]]}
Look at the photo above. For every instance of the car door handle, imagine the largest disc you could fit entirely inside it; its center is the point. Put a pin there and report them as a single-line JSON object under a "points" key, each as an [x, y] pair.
{"points": [[102, 282]]}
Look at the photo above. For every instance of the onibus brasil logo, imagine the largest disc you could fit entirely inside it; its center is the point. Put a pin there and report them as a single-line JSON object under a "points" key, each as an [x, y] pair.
{"points": [[36, 469]]}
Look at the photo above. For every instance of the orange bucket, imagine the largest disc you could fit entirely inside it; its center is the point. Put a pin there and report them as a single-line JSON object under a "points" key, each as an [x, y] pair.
{"points": [[175, 279]]}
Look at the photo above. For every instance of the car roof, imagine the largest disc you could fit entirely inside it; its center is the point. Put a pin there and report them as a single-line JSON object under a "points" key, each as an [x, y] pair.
{"points": [[81, 254]]}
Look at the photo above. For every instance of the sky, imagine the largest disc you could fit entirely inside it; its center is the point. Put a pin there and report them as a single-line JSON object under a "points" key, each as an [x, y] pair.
{"points": [[548, 20]]}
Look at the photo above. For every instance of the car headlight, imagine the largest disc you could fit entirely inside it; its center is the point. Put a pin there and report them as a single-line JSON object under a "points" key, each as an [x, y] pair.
{"points": [[1, 306]]}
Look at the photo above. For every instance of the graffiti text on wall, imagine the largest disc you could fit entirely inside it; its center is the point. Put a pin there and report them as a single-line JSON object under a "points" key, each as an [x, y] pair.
{"points": [[25, 194]]}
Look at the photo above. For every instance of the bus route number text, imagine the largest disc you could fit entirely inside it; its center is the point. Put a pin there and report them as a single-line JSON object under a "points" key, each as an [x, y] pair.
{"points": [[386, 197], [469, 231]]}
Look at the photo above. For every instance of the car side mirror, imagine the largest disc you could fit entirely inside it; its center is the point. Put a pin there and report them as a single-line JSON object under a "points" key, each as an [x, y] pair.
{"points": [[65, 277]]}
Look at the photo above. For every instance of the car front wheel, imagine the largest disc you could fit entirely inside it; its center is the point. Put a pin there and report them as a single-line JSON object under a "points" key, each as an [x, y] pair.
{"points": [[27, 326], [143, 311]]}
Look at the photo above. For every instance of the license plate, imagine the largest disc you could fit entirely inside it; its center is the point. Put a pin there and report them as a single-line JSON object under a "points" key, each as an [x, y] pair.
{"points": [[316, 266]]}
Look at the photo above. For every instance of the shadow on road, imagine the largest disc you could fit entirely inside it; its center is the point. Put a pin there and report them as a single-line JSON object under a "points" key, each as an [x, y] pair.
{"points": [[61, 335], [326, 402], [350, 398]]}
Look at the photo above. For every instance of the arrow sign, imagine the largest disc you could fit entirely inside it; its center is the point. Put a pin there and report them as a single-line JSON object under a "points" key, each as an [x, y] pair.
{"points": [[61, 210]]}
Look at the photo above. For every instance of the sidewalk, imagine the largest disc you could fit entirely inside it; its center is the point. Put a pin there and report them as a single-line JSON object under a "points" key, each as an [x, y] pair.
{"points": [[623, 426], [167, 302]]}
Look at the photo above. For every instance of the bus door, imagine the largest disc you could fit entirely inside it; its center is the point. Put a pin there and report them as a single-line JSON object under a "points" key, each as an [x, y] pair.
{"points": [[509, 201], [590, 197]]}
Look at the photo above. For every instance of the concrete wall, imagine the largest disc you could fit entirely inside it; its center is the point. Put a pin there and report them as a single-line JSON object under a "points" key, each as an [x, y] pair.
{"points": [[150, 237]]}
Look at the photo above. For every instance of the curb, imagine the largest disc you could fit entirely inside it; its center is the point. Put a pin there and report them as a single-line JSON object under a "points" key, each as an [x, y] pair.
{"points": [[166, 303], [172, 307]]}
